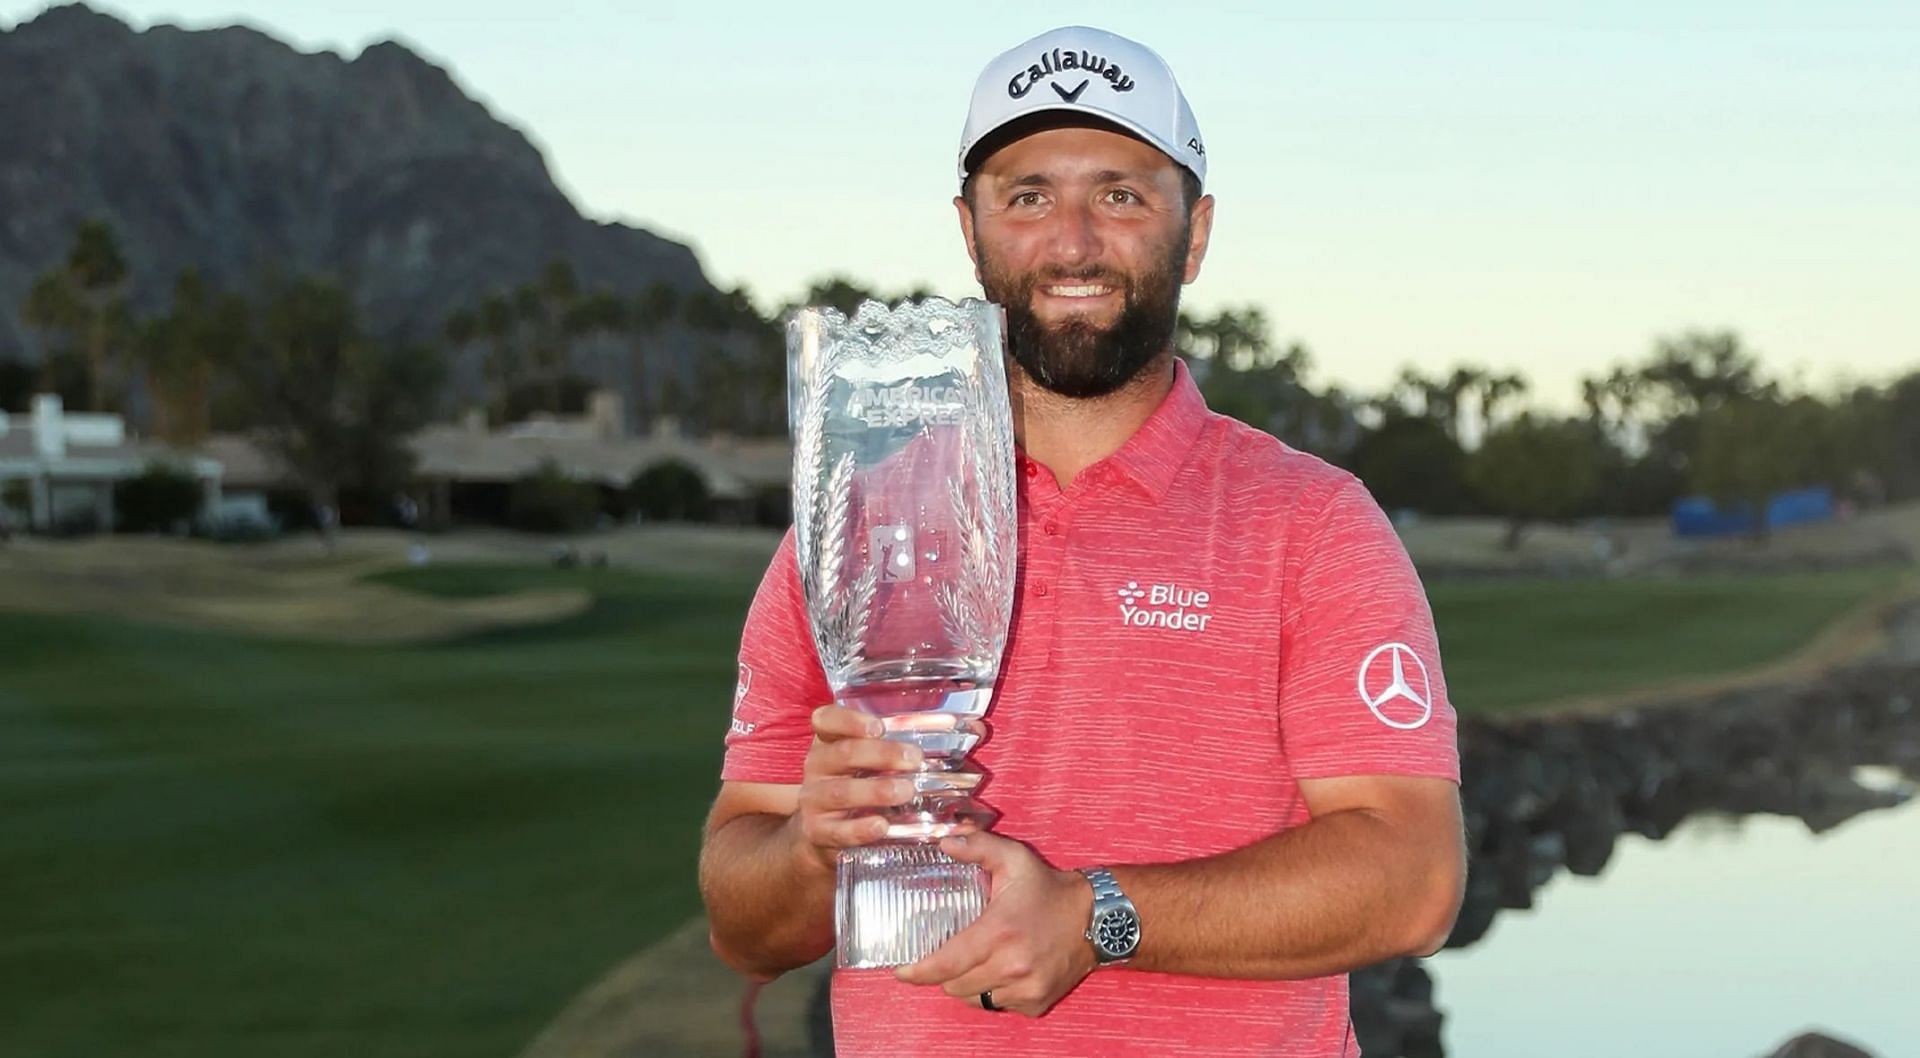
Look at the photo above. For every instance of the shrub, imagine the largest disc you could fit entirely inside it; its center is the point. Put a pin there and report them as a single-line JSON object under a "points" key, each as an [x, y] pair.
{"points": [[670, 491], [75, 522], [18, 380], [162, 499], [773, 506], [16, 498], [547, 501]]}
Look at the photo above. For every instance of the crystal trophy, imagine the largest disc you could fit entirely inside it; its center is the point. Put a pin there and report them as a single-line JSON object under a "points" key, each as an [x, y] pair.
{"points": [[903, 513]]}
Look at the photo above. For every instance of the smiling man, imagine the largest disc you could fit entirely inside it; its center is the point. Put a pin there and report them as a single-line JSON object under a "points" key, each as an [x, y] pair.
{"points": [[1221, 743]]}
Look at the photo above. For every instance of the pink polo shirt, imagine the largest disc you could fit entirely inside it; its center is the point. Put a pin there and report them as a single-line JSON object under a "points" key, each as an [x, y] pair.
{"points": [[1202, 619]]}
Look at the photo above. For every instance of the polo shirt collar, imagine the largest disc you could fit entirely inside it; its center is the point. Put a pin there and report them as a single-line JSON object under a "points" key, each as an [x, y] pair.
{"points": [[1155, 452]]}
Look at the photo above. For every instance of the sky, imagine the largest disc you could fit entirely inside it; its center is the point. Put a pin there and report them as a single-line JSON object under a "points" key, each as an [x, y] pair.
{"points": [[1538, 186]]}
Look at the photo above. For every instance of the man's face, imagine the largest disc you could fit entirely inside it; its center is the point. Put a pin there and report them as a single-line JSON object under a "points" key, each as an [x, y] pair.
{"points": [[1085, 237]]}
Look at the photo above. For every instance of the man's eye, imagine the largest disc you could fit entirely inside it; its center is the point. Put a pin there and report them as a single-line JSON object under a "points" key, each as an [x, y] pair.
{"points": [[1120, 196], [1027, 198]]}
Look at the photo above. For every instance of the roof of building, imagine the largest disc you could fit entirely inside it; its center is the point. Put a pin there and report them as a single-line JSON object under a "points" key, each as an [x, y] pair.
{"points": [[18, 454], [248, 465], [732, 467]]}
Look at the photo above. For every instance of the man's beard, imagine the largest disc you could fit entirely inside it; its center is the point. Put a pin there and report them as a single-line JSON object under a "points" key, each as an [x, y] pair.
{"points": [[1075, 357]]}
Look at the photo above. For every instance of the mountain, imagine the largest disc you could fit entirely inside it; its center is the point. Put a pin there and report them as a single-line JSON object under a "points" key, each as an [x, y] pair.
{"points": [[231, 152]]}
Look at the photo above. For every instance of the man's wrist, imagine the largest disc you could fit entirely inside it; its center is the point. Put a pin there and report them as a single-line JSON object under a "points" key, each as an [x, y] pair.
{"points": [[1078, 912]]}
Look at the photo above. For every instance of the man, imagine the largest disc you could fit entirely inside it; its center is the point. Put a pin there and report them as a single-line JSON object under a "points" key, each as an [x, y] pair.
{"points": [[1221, 698]]}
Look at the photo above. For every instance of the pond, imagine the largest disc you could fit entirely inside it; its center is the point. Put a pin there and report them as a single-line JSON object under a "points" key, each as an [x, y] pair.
{"points": [[1728, 937]]}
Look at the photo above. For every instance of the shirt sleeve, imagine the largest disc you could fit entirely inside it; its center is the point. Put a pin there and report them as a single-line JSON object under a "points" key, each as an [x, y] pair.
{"points": [[780, 682], [1361, 689]]}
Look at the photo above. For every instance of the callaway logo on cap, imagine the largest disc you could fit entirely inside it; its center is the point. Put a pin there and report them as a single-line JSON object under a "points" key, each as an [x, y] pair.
{"points": [[1087, 71]]}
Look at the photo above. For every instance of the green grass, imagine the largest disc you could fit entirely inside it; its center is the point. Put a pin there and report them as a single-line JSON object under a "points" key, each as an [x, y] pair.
{"points": [[214, 845], [211, 845], [1507, 644]]}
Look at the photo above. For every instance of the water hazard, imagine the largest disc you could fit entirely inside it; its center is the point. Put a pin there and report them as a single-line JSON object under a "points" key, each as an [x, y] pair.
{"points": [[1727, 938]]}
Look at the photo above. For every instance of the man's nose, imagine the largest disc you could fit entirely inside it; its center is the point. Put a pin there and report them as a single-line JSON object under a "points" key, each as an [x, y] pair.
{"points": [[1076, 237]]}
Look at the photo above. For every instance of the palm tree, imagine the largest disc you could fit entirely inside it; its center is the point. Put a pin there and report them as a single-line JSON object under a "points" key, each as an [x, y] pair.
{"points": [[505, 363], [84, 300], [544, 307], [1494, 392], [177, 353], [600, 313], [656, 307]]}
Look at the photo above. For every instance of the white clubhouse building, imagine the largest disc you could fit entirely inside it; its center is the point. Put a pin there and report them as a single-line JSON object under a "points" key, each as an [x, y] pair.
{"points": [[58, 468]]}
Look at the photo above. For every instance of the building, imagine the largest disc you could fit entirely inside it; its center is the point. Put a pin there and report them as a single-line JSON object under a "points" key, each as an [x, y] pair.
{"points": [[467, 468], [464, 472], [58, 469]]}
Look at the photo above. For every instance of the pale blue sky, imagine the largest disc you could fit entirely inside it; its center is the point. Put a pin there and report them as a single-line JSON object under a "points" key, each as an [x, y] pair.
{"points": [[1544, 187]]}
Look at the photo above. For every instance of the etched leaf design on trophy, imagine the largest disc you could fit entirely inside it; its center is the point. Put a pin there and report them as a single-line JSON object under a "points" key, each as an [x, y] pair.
{"points": [[976, 605], [844, 609], [967, 601], [810, 417]]}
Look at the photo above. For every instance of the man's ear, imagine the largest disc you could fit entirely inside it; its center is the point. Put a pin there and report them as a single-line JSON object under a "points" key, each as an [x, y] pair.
{"points": [[1199, 230], [961, 207]]}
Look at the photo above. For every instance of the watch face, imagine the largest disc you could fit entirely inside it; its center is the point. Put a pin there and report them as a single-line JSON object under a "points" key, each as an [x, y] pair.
{"points": [[1117, 932]]}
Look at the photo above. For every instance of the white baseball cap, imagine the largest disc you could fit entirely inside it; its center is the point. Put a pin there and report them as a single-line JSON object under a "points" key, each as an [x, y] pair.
{"points": [[1092, 72]]}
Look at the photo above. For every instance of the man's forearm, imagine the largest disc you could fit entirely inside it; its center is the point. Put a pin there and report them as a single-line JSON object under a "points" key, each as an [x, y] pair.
{"points": [[1337, 893], [769, 909]]}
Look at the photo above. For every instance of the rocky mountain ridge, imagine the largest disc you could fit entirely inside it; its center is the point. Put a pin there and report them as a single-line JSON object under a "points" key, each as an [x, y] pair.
{"points": [[228, 151]]}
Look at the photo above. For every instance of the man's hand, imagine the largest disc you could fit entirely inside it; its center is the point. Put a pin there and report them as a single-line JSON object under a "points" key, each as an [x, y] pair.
{"points": [[837, 790], [1029, 947]]}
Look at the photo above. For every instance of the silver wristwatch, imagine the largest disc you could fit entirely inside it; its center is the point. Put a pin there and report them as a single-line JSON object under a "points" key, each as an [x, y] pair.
{"points": [[1114, 930]]}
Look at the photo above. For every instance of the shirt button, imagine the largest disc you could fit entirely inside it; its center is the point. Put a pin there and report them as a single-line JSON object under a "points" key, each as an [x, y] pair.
{"points": [[1041, 591], [1029, 468], [1053, 528]]}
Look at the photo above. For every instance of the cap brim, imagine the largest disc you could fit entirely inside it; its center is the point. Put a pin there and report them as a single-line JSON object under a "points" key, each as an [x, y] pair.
{"points": [[1052, 116]]}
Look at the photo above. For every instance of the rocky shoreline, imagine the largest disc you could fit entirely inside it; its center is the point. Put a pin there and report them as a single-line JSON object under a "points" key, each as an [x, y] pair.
{"points": [[1551, 793]]}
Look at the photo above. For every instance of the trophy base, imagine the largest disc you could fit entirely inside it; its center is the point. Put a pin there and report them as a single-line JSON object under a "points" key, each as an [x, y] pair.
{"points": [[897, 904]]}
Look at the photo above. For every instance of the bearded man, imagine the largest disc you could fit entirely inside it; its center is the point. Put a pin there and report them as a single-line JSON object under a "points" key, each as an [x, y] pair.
{"points": [[1249, 801]]}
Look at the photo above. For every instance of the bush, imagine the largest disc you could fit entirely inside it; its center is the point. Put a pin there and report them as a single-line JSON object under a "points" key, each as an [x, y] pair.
{"points": [[547, 501], [773, 506], [241, 530], [161, 500], [18, 380], [670, 491], [78, 522], [16, 499], [1410, 461]]}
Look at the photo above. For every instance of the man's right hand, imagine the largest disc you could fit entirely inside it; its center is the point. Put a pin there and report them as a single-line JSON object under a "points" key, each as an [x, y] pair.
{"points": [[840, 787]]}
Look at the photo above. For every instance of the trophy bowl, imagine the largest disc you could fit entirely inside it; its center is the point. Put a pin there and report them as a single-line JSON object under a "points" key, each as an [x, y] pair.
{"points": [[905, 534]]}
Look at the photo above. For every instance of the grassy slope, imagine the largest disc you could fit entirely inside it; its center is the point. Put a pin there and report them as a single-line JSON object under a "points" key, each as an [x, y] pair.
{"points": [[214, 845], [1509, 644], [211, 845]]}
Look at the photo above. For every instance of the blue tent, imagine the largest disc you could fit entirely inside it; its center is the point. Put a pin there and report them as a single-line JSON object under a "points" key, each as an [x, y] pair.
{"points": [[1698, 516]]}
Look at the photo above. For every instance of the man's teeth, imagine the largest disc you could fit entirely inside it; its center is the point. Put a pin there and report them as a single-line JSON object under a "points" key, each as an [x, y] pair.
{"points": [[1088, 291]]}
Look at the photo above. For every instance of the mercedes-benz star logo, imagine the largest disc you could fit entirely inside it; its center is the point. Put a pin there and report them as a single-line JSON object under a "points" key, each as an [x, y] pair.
{"points": [[1394, 687]]}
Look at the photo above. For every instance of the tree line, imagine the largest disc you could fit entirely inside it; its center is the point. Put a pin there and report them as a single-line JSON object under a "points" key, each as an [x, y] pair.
{"points": [[289, 361], [1697, 416]]}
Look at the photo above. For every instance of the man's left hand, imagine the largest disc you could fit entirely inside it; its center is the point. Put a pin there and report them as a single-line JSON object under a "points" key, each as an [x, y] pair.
{"points": [[1029, 947]]}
